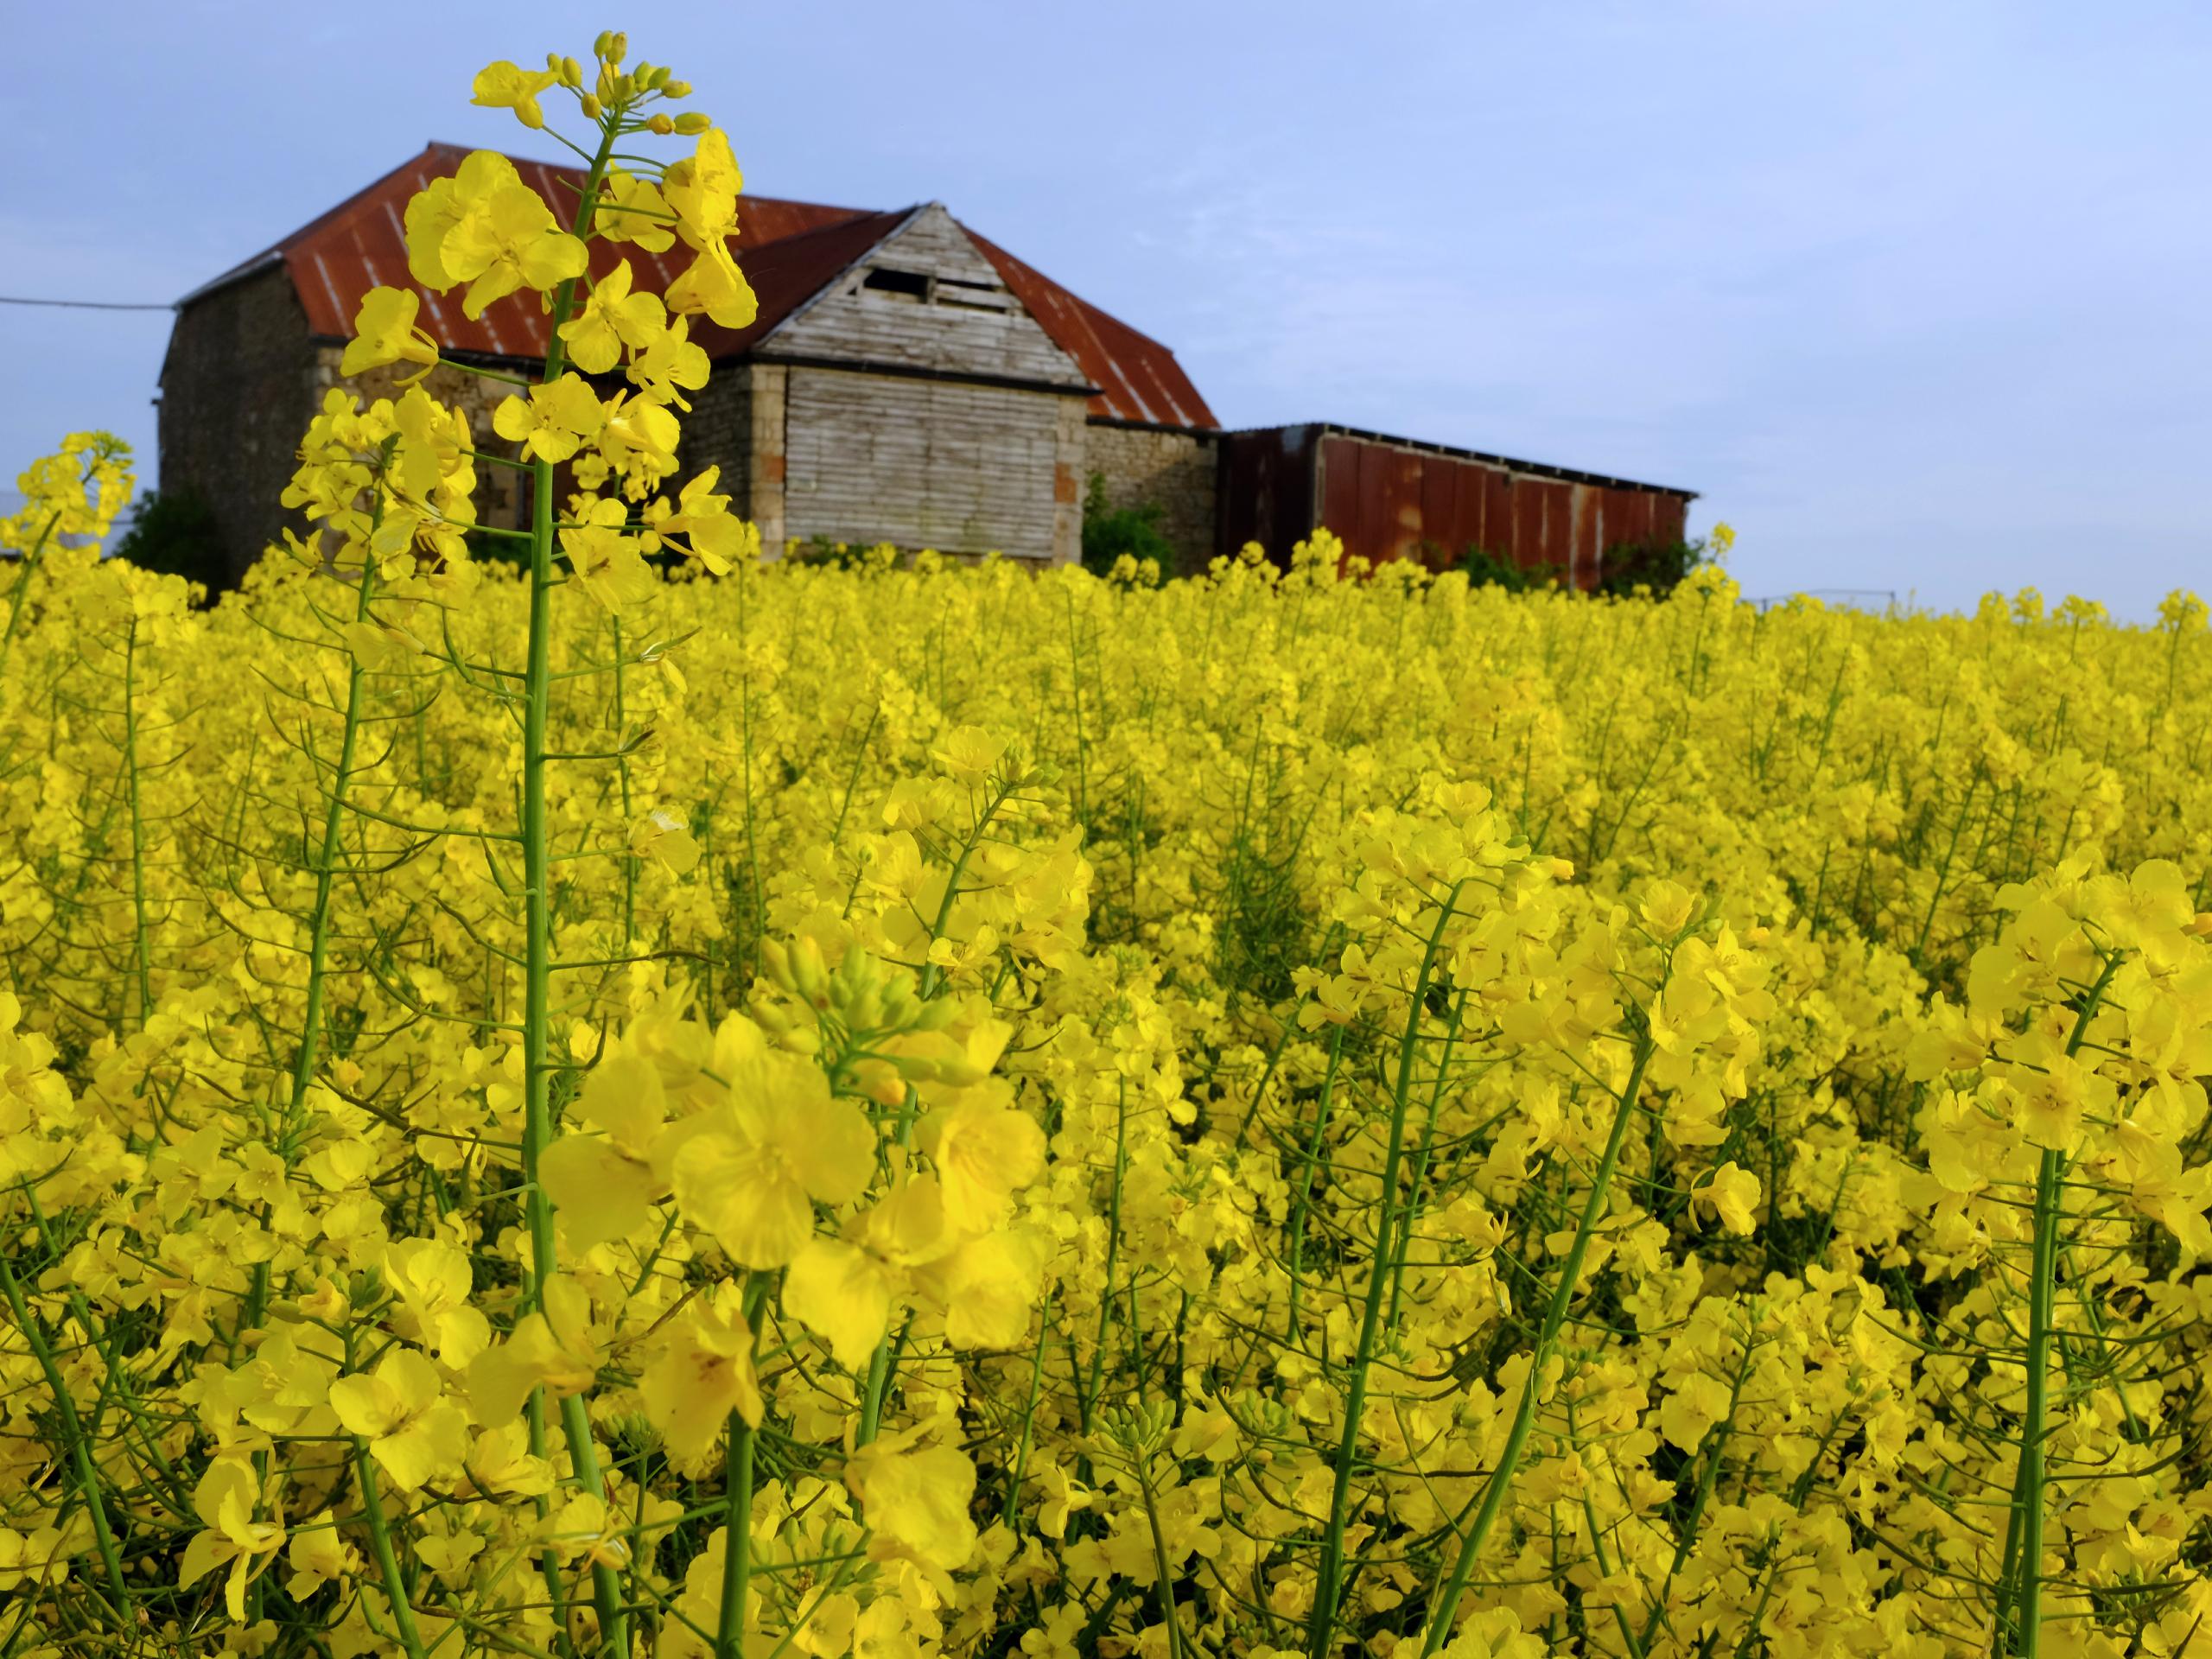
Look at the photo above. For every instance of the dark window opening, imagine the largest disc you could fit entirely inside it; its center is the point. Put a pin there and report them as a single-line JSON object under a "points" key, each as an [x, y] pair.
{"points": [[903, 284]]}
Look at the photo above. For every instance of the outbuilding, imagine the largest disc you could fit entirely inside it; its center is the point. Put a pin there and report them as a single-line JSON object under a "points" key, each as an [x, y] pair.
{"points": [[906, 381], [1389, 498]]}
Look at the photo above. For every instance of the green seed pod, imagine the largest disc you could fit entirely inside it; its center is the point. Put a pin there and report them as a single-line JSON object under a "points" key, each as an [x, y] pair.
{"points": [[864, 1010]]}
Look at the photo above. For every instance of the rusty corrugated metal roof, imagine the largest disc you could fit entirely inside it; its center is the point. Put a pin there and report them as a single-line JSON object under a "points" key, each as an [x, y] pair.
{"points": [[1137, 378], [788, 250], [1508, 463]]}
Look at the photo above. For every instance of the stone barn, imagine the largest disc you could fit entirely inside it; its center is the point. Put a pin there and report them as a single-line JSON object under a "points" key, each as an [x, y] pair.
{"points": [[906, 380]]}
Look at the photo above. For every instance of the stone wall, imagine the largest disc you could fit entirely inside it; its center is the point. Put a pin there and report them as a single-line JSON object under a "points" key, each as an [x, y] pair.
{"points": [[1170, 470], [718, 432], [238, 387], [242, 380]]}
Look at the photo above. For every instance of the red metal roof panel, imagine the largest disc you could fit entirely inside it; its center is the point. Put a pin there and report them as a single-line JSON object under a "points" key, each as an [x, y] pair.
{"points": [[1138, 378], [789, 251]]}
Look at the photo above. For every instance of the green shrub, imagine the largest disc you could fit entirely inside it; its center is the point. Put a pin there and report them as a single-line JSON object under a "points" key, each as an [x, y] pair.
{"points": [[1487, 569], [1658, 566], [175, 531], [1109, 531]]}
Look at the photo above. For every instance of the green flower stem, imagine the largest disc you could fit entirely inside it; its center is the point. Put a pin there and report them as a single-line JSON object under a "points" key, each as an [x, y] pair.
{"points": [[757, 890], [395, 1587], [142, 937], [1421, 1152], [1163, 1579], [25, 567], [622, 771], [81, 1456], [1688, 1539], [2019, 1608], [1295, 1248], [1029, 1411], [1082, 744], [883, 1364], [537, 970], [308, 1054], [737, 1542], [1524, 1411], [1089, 1395], [310, 1048], [737, 1514], [1329, 1587]]}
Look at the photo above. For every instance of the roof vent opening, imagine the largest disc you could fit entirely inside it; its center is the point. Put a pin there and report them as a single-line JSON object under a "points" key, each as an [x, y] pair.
{"points": [[911, 286], [976, 296]]}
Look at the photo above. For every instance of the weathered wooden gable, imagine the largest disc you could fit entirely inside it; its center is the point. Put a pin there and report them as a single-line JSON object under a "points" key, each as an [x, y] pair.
{"points": [[925, 299], [915, 400]]}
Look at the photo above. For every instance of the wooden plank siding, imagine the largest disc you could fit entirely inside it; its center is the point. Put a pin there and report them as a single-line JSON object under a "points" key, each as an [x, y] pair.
{"points": [[960, 467], [915, 401]]}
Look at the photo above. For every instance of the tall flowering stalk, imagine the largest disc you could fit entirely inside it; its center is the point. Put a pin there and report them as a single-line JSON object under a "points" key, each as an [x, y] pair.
{"points": [[398, 481], [71, 497], [2065, 1100]]}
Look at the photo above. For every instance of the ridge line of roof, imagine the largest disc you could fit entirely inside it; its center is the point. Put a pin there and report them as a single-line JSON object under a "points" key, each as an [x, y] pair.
{"points": [[743, 196], [1508, 463], [255, 262], [277, 248]]}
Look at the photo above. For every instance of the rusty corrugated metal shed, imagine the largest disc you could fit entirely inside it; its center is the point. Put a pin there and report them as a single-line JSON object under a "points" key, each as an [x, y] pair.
{"points": [[1399, 498], [790, 252]]}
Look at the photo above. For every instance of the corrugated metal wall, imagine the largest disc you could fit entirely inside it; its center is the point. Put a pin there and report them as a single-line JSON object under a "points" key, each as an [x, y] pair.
{"points": [[1392, 498], [1266, 492]]}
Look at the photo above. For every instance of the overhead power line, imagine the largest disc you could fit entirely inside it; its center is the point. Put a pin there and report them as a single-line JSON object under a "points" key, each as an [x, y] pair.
{"points": [[86, 305]]}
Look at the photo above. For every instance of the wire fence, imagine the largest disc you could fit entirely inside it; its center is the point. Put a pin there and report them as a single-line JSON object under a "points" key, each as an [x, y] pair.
{"points": [[1858, 599]]}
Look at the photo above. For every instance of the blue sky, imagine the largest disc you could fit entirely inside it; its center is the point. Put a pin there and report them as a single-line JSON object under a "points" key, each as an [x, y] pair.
{"points": [[1913, 294]]}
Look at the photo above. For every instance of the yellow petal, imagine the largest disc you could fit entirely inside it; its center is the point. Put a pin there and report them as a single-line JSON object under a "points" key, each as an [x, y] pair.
{"points": [[361, 1406], [831, 1147], [433, 1443], [598, 1194], [841, 1294], [203, 1552], [745, 1199]]}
